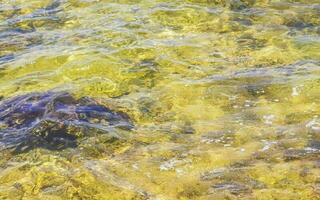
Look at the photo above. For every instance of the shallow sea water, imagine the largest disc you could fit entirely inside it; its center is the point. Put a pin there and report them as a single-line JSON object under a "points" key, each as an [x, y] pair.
{"points": [[224, 96]]}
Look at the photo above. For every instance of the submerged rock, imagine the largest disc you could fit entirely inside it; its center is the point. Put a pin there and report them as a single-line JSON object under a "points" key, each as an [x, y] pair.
{"points": [[214, 174], [241, 4], [54, 121], [299, 154], [233, 187]]}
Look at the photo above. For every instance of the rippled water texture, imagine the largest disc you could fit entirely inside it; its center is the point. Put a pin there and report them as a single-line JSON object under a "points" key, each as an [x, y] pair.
{"points": [[181, 99]]}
